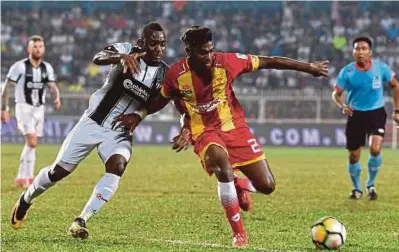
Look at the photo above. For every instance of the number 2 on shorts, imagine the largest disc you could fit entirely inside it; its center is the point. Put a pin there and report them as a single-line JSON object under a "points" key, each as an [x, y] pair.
{"points": [[254, 145]]}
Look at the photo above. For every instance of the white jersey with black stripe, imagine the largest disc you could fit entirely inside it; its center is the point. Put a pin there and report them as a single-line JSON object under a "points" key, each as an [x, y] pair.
{"points": [[31, 82], [123, 93]]}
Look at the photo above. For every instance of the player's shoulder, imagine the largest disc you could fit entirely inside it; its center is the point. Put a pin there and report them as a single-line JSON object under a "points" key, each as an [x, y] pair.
{"points": [[347, 69], [380, 63], [164, 65], [224, 57], [228, 58], [20, 63], [178, 68], [47, 64]]}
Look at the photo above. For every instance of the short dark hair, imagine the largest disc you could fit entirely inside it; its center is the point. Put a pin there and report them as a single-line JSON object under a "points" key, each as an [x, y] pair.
{"points": [[363, 39], [152, 26], [36, 38], [197, 35]]}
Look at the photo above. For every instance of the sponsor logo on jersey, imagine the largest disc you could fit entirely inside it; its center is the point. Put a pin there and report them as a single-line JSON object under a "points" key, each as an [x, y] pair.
{"points": [[35, 85], [207, 107], [186, 90], [136, 89]]}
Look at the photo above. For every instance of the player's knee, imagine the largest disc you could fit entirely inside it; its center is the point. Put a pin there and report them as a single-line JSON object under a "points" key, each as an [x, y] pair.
{"points": [[216, 158], [57, 173], [32, 142], [267, 186], [374, 150], [116, 166], [224, 175], [354, 157]]}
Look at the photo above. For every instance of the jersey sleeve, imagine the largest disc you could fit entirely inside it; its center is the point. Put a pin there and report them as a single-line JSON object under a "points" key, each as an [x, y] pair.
{"points": [[167, 87], [50, 73], [341, 82], [120, 47], [387, 73], [15, 72], [241, 63]]}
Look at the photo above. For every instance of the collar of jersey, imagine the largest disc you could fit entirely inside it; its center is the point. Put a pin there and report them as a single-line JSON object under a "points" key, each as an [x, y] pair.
{"points": [[364, 69]]}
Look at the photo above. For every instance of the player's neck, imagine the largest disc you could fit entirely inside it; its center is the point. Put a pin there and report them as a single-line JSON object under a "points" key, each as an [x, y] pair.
{"points": [[151, 63], [35, 62], [194, 67], [364, 66]]}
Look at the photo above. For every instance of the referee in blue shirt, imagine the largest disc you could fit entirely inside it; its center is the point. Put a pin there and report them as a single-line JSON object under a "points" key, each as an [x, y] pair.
{"points": [[363, 81]]}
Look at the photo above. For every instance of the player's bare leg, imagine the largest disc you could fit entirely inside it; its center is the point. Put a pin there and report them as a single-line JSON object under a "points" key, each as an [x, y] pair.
{"points": [[374, 163], [260, 177], [102, 193], [355, 169], [27, 161], [46, 178], [216, 158]]}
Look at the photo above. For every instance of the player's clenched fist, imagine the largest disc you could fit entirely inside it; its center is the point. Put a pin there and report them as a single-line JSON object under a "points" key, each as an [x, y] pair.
{"points": [[130, 62], [129, 121]]}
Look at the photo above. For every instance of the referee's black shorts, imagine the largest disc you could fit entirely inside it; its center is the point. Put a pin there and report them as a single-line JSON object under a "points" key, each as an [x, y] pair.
{"points": [[363, 124]]}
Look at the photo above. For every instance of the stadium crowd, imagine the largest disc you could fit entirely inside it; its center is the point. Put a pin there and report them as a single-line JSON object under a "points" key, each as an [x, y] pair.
{"points": [[304, 30]]}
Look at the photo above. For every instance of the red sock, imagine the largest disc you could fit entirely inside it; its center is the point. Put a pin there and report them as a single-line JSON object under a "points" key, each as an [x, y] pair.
{"points": [[228, 197], [244, 183]]}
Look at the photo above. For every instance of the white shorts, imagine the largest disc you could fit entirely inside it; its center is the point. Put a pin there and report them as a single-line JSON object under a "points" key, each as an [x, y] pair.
{"points": [[84, 137], [30, 119]]}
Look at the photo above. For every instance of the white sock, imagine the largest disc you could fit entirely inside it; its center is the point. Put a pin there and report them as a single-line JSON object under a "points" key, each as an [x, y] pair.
{"points": [[40, 184], [22, 163], [227, 193], [30, 158], [102, 193]]}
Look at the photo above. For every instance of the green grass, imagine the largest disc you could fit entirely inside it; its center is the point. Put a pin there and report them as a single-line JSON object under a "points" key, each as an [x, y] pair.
{"points": [[167, 196]]}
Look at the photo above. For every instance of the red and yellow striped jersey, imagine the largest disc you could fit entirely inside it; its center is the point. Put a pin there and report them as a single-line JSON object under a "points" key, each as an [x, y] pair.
{"points": [[209, 100]]}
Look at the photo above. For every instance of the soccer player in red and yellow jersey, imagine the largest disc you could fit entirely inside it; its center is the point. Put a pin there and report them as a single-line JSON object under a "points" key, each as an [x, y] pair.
{"points": [[201, 87]]}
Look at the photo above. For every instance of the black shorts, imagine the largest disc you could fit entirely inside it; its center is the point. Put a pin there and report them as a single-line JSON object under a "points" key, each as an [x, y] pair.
{"points": [[363, 124]]}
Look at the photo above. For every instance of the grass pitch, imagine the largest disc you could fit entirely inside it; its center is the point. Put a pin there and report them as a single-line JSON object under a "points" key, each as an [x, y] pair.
{"points": [[166, 202]]}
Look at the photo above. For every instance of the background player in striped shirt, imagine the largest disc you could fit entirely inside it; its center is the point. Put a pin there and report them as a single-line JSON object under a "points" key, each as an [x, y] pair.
{"points": [[135, 77], [31, 77], [201, 86], [363, 81]]}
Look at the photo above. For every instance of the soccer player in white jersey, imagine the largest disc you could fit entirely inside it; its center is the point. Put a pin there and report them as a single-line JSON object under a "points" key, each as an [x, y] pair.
{"points": [[30, 76], [135, 78]]}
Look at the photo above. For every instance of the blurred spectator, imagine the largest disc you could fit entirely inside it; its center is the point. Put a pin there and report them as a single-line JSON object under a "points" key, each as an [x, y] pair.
{"points": [[309, 31]]}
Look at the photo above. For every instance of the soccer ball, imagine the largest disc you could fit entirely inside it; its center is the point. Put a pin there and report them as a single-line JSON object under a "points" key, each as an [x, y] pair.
{"points": [[328, 233]]}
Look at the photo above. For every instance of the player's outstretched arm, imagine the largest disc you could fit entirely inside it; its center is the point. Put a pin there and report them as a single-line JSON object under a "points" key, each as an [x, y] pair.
{"points": [[318, 68], [55, 93], [129, 62], [395, 93], [5, 114]]}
